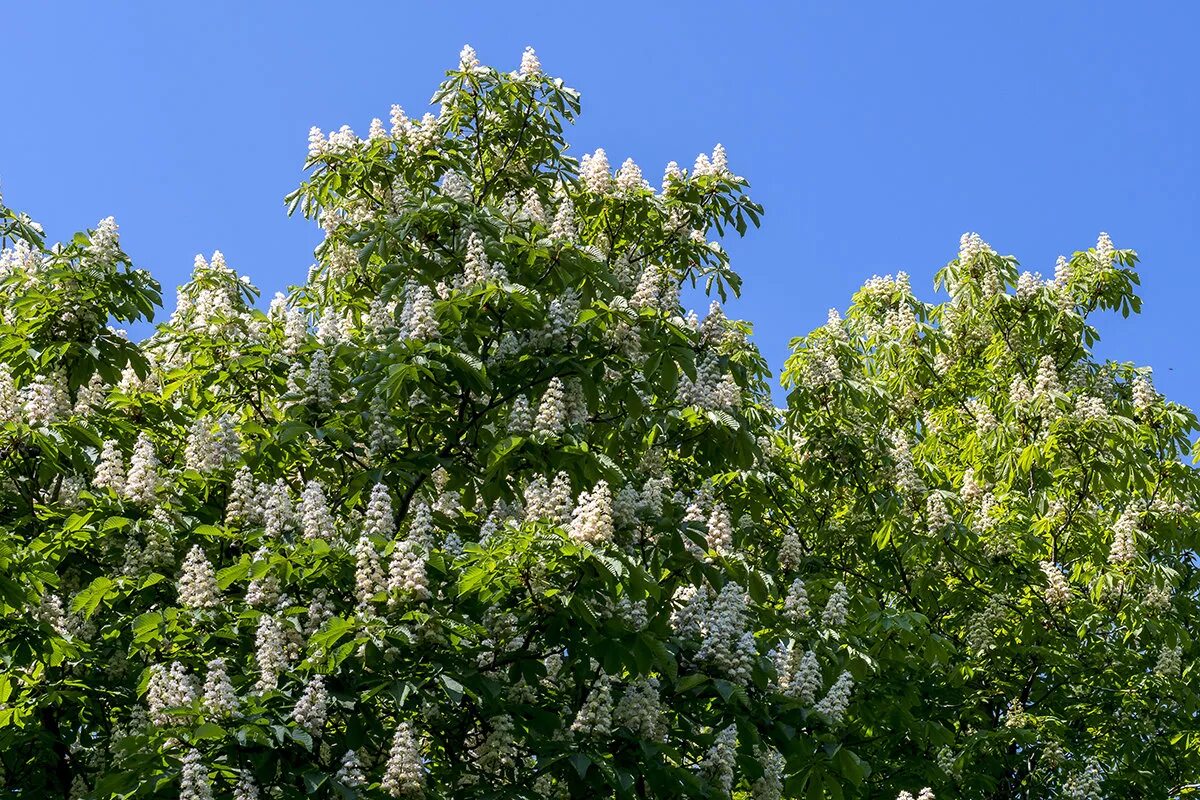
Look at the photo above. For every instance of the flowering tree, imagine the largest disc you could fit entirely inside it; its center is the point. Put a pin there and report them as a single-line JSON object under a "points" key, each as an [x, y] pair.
{"points": [[1020, 522], [480, 511], [475, 511]]}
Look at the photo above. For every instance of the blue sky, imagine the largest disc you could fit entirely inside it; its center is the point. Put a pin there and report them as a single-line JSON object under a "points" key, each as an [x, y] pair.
{"points": [[874, 134]]}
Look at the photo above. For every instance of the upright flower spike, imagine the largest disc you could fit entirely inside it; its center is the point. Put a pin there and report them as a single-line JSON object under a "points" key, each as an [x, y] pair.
{"points": [[837, 607], [596, 716], [316, 522], [592, 521], [379, 519], [194, 783], [219, 697], [835, 703], [530, 65], [312, 708], [110, 470], [350, 774], [404, 776], [269, 653], [141, 483], [198, 581], [1058, 591]]}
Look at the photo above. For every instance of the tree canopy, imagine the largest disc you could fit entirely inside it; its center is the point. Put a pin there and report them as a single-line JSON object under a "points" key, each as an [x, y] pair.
{"points": [[480, 510]]}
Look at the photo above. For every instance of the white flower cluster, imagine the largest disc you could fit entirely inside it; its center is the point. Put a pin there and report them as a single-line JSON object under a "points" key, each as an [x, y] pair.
{"points": [[641, 710], [368, 574], [791, 552], [219, 697], [1170, 662], [211, 446], [937, 515], [417, 319], [1058, 591], [1124, 544], [269, 654], [496, 753], [837, 608], [45, 400], [981, 628], [194, 783], [1084, 785], [971, 246], [595, 173], [141, 482], [925, 794], [1144, 395], [104, 244], [350, 774], [795, 603], [406, 573], [170, 687], [656, 289], [798, 674], [245, 788], [718, 764], [1045, 381], [714, 388], [770, 785], [477, 269], [316, 522], [592, 519], [312, 708], [904, 472], [110, 469], [198, 581], [552, 410], [530, 65], [727, 644], [595, 717], [720, 531], [241, 507], [821, 365], [717, 165], [834, 704], [1091, 408]]}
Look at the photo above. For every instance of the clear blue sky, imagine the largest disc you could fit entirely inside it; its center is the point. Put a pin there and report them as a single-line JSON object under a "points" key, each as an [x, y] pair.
{"points": [[874, 134]]}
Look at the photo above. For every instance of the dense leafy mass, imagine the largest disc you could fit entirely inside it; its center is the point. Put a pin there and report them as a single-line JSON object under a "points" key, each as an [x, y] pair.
{"points": [[479, 510]]}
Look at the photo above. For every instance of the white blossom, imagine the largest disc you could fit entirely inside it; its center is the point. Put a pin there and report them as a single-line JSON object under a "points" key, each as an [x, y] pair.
{"points": [[718, 762], [835, 703], [350, 774], [530, 65], [1058, 591], [551, 415], [595, 717], [220, 699], [110, 469], [467, 60], [312, 708], [315, 520], [194, 783], [837, 608], [104, 244], [404, 775], [198, 581], [720, 531], [269, 653], [595, 173], [795, 604], [141, 482], [592, 520], [170, 687]]}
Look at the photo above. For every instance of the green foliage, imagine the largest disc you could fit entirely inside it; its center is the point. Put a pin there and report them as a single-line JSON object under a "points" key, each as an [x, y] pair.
{"points": [[479, 511]]}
